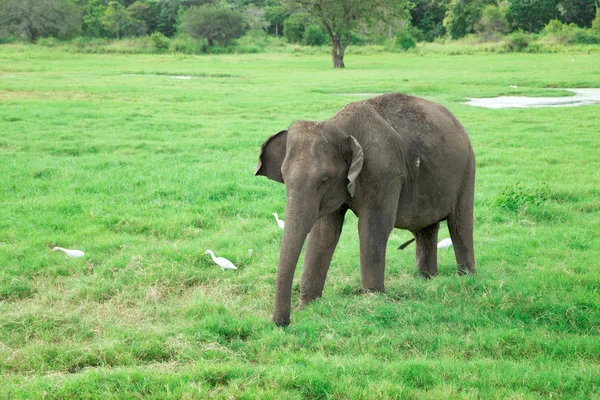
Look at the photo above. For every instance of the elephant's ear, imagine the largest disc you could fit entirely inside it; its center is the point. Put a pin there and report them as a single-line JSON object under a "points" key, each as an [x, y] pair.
{"points": [[355, 165], [272, 153]]}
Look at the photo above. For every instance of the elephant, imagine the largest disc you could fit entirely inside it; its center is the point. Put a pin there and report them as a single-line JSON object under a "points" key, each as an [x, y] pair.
{"points": [[396, 161]]}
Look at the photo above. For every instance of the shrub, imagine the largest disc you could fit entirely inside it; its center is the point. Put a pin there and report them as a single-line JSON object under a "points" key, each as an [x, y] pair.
{"points": [[557, 32], [405, 40], [161, 42], [516, 197], [517, 42]]}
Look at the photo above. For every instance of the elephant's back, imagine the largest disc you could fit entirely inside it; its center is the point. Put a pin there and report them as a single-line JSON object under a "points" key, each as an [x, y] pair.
{"points": [[433, 153]]}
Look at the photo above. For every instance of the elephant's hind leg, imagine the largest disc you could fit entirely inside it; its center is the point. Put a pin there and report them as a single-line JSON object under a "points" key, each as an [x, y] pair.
{"points": [[460, 225], [427, 250], [322, 240]]}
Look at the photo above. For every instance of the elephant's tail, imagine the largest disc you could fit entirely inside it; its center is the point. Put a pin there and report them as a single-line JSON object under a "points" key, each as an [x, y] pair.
{"points": [[405, 244]]}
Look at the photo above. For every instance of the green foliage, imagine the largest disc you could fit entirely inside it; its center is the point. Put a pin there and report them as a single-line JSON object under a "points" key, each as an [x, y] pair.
{"points": [[314, 36], [294, 26], [517, 42], [557, 32], [531, 15], [462, 17], [516, 197], [341, 18], [405, 40], [596, 24], [116, 19], [161, 42], [578, 12], [146, 15], [492, 24], [216, 25], [428, 17], [34, 19]]}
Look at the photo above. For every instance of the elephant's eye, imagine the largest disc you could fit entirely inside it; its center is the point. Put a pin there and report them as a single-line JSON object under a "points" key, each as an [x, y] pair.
{"points": [[323, 181]]}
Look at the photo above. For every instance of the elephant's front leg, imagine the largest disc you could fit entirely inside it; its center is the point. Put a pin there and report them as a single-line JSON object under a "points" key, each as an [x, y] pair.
{"points": [[374, 229], [322, 240]]}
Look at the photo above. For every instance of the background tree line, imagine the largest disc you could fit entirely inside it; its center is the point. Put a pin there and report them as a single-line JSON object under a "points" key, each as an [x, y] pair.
{"points": [[310, 22]]}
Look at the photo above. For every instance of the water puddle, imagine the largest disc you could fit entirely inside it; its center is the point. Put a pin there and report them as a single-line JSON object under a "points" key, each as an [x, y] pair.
{"points": [[583, 97]]}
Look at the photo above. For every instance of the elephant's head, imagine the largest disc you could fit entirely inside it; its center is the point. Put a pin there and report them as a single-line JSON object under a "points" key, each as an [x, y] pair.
{"points": [[319, 165]]}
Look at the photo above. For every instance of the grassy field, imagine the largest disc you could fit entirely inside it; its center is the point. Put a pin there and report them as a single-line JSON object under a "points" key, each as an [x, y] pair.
{"points": [[144, 172]]}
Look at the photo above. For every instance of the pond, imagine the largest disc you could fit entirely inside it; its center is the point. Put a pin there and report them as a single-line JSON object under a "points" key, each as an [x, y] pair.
{"points": [[582, 97]]}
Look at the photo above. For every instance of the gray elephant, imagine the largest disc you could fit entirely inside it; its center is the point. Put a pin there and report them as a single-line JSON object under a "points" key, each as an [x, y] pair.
{"points": [[396, 161]]}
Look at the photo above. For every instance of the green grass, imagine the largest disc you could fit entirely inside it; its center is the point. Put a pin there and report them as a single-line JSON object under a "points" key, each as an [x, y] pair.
{"points": [[145, 172]]}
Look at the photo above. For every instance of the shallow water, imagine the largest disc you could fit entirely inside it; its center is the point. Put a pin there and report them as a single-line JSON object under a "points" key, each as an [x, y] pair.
{"points": [[583, 97]]}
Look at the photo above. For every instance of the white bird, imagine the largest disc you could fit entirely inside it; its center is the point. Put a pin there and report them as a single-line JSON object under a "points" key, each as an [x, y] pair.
{"points": [[70, 253], [221, 261], [279, 221], [444, 244]]}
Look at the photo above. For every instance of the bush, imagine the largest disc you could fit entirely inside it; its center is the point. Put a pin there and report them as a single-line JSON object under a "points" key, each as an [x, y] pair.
{"points": [[314, 36], [557, 32], [48, 42], [517, 42], [161, 42], [516, 197], [405, 41]]}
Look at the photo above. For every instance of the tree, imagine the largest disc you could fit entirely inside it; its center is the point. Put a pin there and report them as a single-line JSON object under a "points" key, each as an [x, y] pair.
{"points": [[340, 18], [462, 16], [276, 15], [579, 12], [116, 19], [146, 12], [493, 23], [531, 15], [255, 19], [428, 17], [40, 18], [294, 26], [220, 25], [170, 12]]}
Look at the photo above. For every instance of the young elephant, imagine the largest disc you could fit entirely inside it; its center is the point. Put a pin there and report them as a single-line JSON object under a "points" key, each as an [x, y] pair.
{"points": [[396, 161]]}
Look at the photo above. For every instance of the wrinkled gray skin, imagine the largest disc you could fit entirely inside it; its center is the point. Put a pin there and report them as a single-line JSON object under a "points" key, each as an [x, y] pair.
{"points": [[396, 161]]}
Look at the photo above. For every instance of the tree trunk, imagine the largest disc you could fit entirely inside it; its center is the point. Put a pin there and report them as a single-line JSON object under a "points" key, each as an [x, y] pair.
{"points": [[337, 53]]}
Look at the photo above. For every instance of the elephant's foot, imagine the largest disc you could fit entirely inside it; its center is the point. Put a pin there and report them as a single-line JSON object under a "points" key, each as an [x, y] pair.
{"points": [[428, 273], [466, 270], [281, 319], [373, 288]]}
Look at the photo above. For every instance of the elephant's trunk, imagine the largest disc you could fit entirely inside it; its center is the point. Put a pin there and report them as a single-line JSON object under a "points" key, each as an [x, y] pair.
{"points": [[300, 216]]}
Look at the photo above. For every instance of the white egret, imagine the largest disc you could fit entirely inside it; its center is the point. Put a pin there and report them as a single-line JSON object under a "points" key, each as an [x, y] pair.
{"points": [[444, 244], [279, 221], [70, 253], [221, 261]]}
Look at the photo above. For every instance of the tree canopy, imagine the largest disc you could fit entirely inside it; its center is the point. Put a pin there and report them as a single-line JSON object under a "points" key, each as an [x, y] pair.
{"points": [[340, 18]]}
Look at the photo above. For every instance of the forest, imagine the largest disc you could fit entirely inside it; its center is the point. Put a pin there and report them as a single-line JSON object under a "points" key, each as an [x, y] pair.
{"points": [[221, 23]]}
